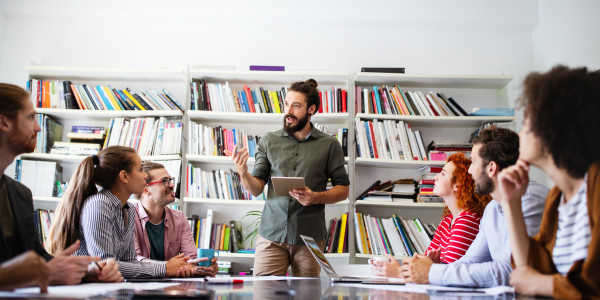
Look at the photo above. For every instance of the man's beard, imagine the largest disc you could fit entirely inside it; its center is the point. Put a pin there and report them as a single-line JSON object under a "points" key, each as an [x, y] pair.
{"points": [[300, 124], [19, 144], [485, 186]]}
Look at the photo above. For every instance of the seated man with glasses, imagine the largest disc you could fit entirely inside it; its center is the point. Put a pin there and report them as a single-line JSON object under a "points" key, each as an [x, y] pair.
{"points": [[162, 232]]}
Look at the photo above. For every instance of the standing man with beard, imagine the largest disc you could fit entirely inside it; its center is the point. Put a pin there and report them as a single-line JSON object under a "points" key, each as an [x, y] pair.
{"points": [[162, 233], [487, 262], [23, 259], [297, 150]]}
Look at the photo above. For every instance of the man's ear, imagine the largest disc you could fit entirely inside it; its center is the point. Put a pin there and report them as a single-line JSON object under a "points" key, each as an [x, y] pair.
{"points": [[312, 109], [5, 123], [492, 169]]}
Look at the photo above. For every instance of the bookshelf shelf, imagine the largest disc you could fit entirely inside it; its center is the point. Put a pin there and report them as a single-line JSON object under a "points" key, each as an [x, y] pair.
{"points": [[47, 199], [260, 118], [398, 204], [392, 163], [78, 114], [78, 158], [214, 159], [237, 202], [269, 77], [470, 121], [112, 74], [437, 81], [224, 202]]}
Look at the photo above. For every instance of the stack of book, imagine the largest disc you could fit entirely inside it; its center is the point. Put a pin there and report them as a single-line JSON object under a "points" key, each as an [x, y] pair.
{"points": [[426, 184], [148, 136], [224, 268], [393, 235], [85, 140], [216, 184], [221, 97], [51, 131], [440, 151], [392, 100], [66, 95], [41, 177], [397, 191], [213, 141], [389, 139], [337, 235]]}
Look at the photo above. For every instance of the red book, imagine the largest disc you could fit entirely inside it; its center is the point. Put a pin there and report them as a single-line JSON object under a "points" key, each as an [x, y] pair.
{"points": [[373, 139], [344, 97], [249, 98], [322, 104], [428, 181]]}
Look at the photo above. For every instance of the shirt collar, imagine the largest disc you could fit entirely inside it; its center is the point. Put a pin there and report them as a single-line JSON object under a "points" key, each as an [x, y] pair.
{"points": [[113, 199], [314, 133]]}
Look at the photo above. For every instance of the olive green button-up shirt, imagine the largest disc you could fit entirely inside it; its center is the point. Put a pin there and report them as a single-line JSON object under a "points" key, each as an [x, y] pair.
{"points": [[317, 158]]}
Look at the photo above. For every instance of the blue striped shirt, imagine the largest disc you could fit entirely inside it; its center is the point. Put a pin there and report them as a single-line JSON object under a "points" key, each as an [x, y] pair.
{"points": [[574, 234], [102, 233]]}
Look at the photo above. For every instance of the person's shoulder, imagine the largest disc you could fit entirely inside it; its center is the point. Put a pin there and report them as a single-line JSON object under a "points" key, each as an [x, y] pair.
{"points": [[535, 191], [491, 209], [14, 184], [470, 215]]}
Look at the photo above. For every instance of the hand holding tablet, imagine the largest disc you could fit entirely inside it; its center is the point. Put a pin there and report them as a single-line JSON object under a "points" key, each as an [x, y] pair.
{"points": [[283, 185]]}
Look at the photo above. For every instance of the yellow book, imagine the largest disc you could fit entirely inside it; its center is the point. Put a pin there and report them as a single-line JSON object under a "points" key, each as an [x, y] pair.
{"points": [[342, 233], [222, 237], [111, 97], [133, 100], [198, 232], [363, 236], [275, 101]]}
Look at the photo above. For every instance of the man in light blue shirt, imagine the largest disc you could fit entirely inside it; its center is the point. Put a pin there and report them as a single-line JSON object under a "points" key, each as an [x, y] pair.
{"points": [[487, 262]]}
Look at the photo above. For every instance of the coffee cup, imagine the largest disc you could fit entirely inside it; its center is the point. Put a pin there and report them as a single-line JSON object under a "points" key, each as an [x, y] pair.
{"points": [[208, 253]]}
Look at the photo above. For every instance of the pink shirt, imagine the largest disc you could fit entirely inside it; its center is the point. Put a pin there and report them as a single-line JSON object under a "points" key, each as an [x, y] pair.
{"points": [[455, 239], [178, 234]]}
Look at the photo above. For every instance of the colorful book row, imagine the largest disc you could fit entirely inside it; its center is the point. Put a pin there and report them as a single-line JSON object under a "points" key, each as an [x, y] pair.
{"points": [[66, 95], [148, 136], [392, 100], [216, 184], [213, 141], [389, 139], [392, 235], [221, 97]]}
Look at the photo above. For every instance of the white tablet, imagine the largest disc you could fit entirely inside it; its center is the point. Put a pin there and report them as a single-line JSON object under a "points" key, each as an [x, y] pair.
{"points": [[283, 185]]}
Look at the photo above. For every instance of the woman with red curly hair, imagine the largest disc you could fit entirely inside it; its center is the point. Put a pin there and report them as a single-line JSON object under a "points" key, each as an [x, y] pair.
{"points": [[460, 223]]}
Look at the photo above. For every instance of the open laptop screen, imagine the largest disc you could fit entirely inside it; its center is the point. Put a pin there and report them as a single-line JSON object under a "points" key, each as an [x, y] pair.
{"points": [[313, 247]]}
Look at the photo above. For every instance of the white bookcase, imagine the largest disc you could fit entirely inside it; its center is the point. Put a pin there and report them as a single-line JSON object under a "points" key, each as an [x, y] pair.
{"points": [[255, 124], [469, 91], [174, 80]]}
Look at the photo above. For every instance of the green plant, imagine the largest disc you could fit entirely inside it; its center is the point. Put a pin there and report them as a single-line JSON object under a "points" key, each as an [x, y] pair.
{"points": [[253, 226]]}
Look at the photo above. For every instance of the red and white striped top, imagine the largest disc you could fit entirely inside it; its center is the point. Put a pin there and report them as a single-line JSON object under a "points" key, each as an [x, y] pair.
{"points": [[455, 239]]}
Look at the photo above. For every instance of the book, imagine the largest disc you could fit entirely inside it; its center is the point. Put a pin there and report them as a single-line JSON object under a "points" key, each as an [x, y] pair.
{"points": [[382, 70], [266, 68]]}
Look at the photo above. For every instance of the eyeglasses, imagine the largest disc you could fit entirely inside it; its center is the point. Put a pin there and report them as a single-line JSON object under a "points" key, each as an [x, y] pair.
{"points": [[167, 182]]}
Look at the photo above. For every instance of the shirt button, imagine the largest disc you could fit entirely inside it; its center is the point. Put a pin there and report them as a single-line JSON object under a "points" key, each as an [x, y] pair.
{"points": [[294, 169], [296, 154]]}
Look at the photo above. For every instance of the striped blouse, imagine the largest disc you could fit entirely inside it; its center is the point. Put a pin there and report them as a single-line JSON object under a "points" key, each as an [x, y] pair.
{"points": [[574, 233], [103, 233], [455, 239]]}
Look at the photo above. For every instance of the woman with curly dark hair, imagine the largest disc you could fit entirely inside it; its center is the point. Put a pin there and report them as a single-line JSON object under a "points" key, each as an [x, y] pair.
{"points": [[561, 136], [460, 223]]}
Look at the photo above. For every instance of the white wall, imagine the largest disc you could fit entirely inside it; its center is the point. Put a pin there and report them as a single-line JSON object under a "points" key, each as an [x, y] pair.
{"points": [[2, 34], [568, 33], [458, 37]]}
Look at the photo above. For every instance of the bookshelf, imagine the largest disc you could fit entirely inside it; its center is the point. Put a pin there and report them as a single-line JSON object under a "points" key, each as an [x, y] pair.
{"points": [[254, 124], [469, 91], [173, 80]]}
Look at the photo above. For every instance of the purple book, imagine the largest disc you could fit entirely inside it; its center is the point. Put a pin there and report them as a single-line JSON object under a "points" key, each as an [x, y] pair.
{"points": [[267, 68]]}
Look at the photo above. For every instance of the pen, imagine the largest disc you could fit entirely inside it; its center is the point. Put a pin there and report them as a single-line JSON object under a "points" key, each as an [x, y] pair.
{"points": [[223, 280], [98, 265]]}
